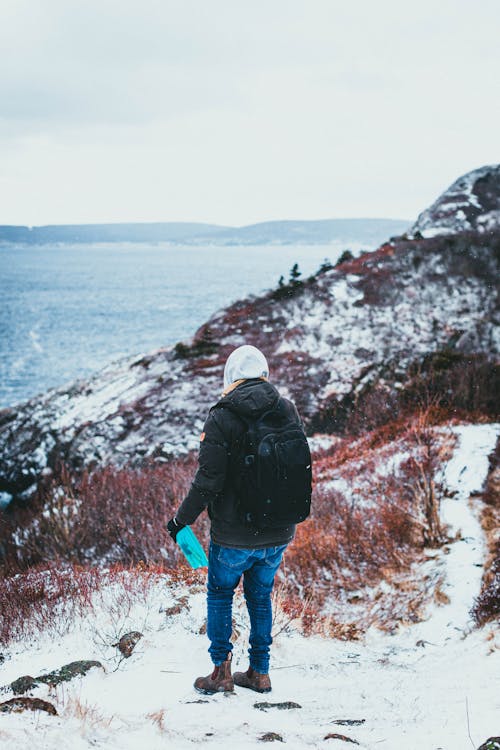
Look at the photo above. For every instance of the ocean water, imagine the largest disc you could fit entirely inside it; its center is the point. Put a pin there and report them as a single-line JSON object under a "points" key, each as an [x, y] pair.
{"points": [[67, 311]]}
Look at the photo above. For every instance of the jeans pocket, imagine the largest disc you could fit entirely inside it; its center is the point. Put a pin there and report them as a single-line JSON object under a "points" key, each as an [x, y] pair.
{"points": [[233, 558]]}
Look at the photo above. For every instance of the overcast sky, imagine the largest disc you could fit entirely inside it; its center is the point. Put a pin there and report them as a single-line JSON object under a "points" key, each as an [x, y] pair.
{"points": [[238, 111]]}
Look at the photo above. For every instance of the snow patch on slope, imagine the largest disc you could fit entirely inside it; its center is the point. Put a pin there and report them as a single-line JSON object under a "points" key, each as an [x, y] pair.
{"points": [[460, 208], [460, 564]]}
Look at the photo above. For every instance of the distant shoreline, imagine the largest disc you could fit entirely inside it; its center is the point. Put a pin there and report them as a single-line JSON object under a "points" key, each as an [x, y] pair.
{"points": [[366, 231]]}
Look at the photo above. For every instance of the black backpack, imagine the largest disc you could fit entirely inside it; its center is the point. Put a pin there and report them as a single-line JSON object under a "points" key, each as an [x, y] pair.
{"points": [[273, 470]]}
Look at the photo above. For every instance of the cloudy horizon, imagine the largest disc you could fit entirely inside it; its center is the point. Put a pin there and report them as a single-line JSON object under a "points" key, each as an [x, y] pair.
{"points": [[233, 113]]}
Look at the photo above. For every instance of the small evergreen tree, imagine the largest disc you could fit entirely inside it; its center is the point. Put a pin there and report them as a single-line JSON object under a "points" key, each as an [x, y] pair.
{"points": [[295, 275], [345, 257], [325, 266]]}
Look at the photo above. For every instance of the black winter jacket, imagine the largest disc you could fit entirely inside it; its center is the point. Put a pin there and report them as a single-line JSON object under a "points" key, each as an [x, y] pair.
{"points": [[213, 486]]}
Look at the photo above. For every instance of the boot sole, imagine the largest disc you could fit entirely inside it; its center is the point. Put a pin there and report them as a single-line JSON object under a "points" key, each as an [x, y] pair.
{"points": [[256, 690], [204, 691]]}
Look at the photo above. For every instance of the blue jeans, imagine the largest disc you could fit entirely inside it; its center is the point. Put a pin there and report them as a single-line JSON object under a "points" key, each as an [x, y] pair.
{"points": [[226, 565]]}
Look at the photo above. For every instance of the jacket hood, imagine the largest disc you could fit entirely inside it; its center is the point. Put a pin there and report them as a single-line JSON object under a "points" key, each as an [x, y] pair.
{"points": [[252, 398], [245, 362]]}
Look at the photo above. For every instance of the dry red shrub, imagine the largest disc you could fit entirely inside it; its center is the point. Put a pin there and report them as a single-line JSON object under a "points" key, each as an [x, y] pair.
{"points": [[105, 516], [487, 605], [345, 549], [51, 597], [375, 507], [31, 601]]}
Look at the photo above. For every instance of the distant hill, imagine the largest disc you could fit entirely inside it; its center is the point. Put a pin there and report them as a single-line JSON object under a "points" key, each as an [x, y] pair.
{"points": [[363, 231], [471, 204], [84, 233], [369, 232]]}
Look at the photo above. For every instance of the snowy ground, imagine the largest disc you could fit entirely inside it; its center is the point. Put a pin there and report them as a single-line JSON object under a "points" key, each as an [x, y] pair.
{"points": [[434, 685]]}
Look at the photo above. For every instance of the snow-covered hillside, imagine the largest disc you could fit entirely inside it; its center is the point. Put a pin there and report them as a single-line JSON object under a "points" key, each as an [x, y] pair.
{"points": [[433, 685], [472, 203], [367, 325]]}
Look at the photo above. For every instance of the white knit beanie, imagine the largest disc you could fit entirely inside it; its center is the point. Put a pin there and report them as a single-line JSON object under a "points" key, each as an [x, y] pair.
{"points": [[245, 362]]}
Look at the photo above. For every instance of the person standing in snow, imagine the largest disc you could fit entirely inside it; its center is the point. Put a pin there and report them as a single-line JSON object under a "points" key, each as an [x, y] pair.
{"points": [[236, 548]]}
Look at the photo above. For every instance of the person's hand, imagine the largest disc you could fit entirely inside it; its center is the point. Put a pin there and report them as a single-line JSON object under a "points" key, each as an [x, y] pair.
{"points": [[173, 528]]}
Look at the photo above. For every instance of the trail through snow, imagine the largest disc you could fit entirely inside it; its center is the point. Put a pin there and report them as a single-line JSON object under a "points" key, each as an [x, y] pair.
{"points": [[425, 687]]}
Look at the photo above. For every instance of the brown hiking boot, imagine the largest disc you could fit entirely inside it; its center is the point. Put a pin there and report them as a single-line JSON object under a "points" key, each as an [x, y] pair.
{"points": [[253, 680], [220, 681]]}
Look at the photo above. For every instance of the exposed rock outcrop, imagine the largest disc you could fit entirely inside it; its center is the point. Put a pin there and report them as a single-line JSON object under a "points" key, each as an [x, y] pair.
{"points": [[271, 737], [343, 737], [19, 705], [64, 674], [493, 743], [282, 706], [472, 203], [127, 643]]}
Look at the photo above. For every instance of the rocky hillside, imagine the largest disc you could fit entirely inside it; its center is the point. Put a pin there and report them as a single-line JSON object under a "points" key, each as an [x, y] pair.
{"points": [[472, 203], [363, 331]]}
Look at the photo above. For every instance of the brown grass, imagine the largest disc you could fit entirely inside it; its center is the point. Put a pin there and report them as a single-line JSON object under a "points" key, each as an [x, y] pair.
{"points": [[89, 715], [158, 718]]}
